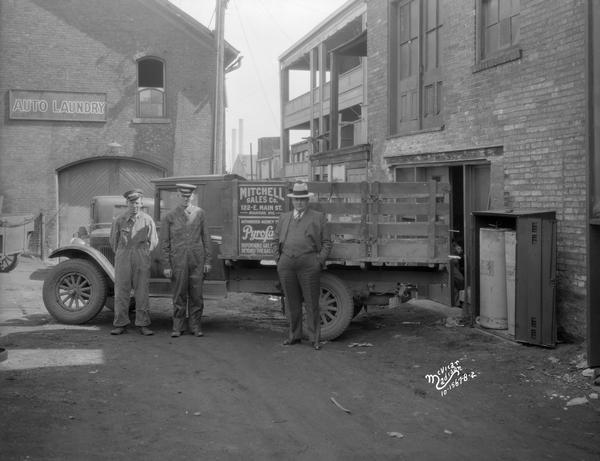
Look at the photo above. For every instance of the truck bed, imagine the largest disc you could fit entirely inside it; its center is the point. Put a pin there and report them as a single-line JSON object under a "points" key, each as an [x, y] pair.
{"points": [[372, 223]]}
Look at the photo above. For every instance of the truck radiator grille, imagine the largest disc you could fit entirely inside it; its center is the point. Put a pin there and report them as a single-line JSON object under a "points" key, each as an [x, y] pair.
{"points": [[108, 253]]}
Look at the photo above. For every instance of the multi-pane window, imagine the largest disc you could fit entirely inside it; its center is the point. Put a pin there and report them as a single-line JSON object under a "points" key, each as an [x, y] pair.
{"points": [[151, 88], [499, 25], [416, 66]]}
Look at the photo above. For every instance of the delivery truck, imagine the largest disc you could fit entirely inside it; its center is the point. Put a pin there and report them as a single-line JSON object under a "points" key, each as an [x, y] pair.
{"points": [[390, 242]]}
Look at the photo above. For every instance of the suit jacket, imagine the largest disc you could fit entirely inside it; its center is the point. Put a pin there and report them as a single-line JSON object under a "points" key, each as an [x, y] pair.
{"points": [[317, 232]]}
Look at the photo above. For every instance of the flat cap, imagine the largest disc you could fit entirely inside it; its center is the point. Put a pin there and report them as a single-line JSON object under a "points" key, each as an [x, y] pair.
{"points": [[133, 194], [185, 189]]}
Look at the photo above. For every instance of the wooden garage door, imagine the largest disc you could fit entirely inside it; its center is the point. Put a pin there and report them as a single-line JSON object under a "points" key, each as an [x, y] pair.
{"points": [[79, 183]]}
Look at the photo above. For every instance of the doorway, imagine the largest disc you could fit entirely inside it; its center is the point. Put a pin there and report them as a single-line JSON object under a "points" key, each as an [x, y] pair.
{"points": [[79, 182]]}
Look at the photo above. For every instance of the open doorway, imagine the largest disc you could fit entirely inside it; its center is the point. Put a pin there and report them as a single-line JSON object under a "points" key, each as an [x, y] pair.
{"points": [[469, 191], [456, 263]]}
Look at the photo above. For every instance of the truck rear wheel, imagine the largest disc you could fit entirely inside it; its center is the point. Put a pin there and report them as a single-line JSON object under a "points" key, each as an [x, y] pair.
{"points": [[337, 306], [74, 291]]}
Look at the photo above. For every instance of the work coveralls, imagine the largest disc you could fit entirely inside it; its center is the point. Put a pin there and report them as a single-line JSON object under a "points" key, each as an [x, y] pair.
{"points": [[185, 245], [132, 239]]}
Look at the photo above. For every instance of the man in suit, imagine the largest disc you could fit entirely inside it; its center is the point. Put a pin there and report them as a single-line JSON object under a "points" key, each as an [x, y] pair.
{"points": [[301, 245]]}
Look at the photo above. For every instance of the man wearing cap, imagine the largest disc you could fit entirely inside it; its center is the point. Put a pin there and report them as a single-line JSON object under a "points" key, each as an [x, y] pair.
{"points": [[132, 238], [185, 245], [301, 245]]}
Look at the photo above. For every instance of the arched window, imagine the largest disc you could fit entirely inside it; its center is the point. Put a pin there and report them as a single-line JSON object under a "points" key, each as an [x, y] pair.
{"points": [[151, 88]]}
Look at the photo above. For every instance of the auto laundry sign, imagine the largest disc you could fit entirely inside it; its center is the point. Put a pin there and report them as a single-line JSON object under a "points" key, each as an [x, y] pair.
{"points": [[57, 105]]}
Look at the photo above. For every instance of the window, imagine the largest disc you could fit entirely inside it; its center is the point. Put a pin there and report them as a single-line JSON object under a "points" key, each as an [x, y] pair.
{"points": [[151, 88], [415, 66], [498, 32], [500, 25]]}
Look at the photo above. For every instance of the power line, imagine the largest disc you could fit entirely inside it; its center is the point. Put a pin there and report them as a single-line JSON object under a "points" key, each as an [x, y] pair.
{"points": [[257, 73]]}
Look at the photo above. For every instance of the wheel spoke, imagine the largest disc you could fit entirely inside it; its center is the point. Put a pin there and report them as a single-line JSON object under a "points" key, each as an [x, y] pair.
{"points": [[70, 303], [74, 292], [68, 282]]}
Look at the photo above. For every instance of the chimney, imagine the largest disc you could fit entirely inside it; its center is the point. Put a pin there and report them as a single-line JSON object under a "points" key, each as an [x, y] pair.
{"points": [[233, 145], [241, 135]]}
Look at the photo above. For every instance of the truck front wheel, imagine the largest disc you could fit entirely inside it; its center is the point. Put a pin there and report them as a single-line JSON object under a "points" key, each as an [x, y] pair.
{"points": [[337, 306], [74, 291]]}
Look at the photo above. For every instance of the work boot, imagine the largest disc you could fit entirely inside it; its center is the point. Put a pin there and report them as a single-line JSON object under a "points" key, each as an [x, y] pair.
{"points": [[146, 331], [118, 330]]}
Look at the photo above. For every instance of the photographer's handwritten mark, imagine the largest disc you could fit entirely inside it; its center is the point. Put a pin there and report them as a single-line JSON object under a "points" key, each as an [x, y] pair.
{"points": [[450, 377]]}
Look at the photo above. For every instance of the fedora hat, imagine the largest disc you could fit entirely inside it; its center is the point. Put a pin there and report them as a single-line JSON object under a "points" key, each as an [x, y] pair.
{"points": [[300, 190]]}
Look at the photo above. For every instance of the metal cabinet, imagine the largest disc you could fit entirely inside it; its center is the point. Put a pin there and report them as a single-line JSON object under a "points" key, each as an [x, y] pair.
{"points": [[535, 270]]}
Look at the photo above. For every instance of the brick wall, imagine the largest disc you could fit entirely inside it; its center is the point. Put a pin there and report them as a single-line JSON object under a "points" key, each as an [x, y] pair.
{"points": [[533, 108], [92, 46]]}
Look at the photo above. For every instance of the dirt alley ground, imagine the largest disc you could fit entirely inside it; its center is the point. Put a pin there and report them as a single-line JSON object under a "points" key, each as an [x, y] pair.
{"points": [[77, 393]]}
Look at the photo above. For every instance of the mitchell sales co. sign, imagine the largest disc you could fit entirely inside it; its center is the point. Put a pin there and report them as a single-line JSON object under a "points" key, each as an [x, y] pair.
{"points": [[57, 105]]}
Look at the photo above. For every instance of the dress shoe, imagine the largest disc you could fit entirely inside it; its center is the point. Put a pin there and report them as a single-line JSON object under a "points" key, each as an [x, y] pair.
{"points": [[146, 331], [291, 342], [175, 334], [118, 331]]}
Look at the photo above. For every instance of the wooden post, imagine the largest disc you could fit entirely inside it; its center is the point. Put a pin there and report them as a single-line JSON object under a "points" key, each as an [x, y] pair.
{"points": [[219, 111], [432, 218], [333, 102]]}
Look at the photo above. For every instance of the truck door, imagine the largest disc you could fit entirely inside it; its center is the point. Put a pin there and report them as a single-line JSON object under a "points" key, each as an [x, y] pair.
{"points": [[206, 198]]}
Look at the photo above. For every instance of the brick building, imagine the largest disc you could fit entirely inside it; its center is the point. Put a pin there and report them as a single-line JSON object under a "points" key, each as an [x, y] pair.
{"points": [[268, 157], [492, 97], [100, 97]]}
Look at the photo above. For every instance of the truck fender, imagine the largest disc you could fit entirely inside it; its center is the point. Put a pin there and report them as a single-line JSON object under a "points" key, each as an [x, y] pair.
{"points": [[80, 251]]}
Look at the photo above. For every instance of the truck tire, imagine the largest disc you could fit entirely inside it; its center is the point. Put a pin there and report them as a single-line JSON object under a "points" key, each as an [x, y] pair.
{"points": [[337, 306], [74, 291]]}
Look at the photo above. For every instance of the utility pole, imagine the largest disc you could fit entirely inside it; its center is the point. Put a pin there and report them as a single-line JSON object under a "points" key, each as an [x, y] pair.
{"points": [[251, 168], [218, 166]]}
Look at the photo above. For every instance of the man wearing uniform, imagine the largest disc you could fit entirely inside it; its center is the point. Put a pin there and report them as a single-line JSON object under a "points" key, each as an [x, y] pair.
{"points": [[185, 245], [132, 238], [301, 245]]}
